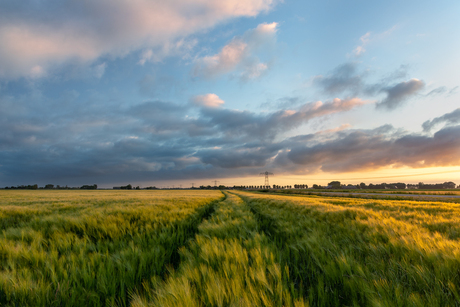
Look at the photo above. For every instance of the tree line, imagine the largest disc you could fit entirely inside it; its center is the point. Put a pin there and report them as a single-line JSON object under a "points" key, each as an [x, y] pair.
{"points": [[51, 187], [394, 186]]}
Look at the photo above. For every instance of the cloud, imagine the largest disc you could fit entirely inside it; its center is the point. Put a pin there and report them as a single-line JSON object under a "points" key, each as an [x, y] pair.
{"points": [[225, 61], [371, 150], [368, 38], [400, 73], [180, 47], [208, 101], [283, 102], [99, 70], [400, 92], [364, 41], [341, 128], [453, 90], [342, 79], [452, 118], [40, 36], [346, 79], [238, 54], [437, 91], [250, 125], [236, 157], [442, 90], [87, 142], [254, 71]]}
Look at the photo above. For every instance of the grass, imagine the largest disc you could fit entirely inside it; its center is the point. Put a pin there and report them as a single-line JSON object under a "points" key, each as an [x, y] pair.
{"points": [[200, 248], [91, 247], [375, 194], [356, 252], [230, 263]]}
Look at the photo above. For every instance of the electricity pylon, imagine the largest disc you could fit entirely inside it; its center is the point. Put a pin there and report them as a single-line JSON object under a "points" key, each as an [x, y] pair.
{"points": [[215, 182], [266, 178]]}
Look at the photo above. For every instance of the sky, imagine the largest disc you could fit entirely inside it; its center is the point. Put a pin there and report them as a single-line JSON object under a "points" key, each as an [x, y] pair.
{"points": [[170, 93]]}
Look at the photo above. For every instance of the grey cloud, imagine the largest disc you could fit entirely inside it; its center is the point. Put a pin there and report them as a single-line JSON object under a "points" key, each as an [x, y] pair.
{"points": [[156, 140], [451, 118], [283, 102], [245, 123], [367, 150], [400, 73], [437, 91], [88, 140], [453, 90], [235, 158], [442, 90], [400, 92], [344, 78]]}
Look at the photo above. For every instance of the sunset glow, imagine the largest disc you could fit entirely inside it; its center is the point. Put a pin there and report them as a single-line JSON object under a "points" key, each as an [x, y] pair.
{"points": [[167, 93]]}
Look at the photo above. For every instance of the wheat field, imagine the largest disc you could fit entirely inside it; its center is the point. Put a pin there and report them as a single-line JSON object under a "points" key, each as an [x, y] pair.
{"points": [[229, 248], [75, 248]]}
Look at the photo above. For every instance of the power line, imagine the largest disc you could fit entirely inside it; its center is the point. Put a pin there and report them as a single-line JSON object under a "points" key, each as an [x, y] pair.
{"points": [[266, 177]]}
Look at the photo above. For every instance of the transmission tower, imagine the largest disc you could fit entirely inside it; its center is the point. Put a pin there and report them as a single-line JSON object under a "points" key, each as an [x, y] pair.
{"points": [[266, 178], [215, 182], [193, 185]]}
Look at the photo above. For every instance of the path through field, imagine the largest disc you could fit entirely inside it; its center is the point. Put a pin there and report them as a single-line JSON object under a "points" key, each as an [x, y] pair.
{"points": [[273, 250], [231, 262]]}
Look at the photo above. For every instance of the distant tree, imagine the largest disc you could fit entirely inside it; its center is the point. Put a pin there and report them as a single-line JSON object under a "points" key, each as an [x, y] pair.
{"points": [[334, 184], [126, 187], [89, 187], [362, 185], [138, 188], [49, 186], [449, 185]]}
